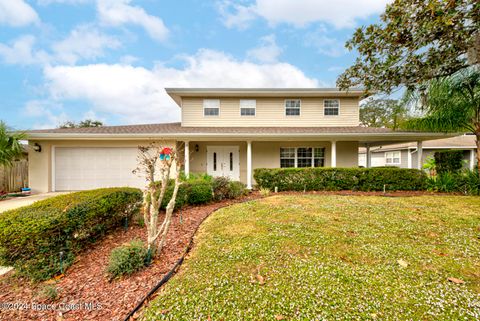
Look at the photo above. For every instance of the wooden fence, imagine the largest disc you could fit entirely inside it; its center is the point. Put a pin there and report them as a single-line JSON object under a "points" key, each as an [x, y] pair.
{"points": [[13, 178]]}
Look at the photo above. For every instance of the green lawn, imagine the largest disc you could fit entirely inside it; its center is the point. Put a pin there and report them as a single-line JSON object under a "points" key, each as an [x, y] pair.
{"points": [[331, 257]]}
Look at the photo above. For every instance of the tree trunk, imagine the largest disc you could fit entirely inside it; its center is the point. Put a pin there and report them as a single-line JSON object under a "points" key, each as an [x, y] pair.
{"points": [[477, 135], [473, 54]]}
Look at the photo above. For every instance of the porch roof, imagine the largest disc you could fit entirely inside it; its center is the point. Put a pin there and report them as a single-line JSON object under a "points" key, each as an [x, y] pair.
{"points": [[377, 136]]}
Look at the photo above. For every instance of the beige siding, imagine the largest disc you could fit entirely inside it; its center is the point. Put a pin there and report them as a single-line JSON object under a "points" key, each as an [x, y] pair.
{"points": [[270, 112], [40, 164]]}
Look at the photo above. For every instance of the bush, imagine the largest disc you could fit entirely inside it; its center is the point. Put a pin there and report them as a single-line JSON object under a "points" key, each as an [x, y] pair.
{"points": [[361, 179], [467, 183], [448, 161], [221, 188], [264, 191], [191, 192], [236, 189], [127, 259], [32, 237], [199, 192]]}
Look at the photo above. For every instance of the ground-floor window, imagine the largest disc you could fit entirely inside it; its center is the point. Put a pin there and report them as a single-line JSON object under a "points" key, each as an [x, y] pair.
{"points": [[392, 158], [302, 157]]}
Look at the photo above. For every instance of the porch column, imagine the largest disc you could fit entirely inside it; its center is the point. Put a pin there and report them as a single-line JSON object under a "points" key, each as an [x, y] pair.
{"points": [[333, 161], [187, 158], [472, 159], [369, 157], [419, 154], [409, 158], [249, 164]]}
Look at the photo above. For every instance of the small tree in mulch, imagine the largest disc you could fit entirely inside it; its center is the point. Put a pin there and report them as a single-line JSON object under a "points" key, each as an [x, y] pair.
{"points": [[160, 163]]}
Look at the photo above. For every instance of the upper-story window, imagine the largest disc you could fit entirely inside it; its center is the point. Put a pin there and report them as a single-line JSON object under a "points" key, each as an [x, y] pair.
{"points": [[292, 107], [248, 107], [211, 107], [392, 158], [331, 107]]}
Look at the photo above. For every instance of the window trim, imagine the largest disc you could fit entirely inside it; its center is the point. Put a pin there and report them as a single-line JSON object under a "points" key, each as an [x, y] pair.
{"points": [[393, 157], [254, 108], [296, 155], [339, 107], [204, 107], [299, 108]]}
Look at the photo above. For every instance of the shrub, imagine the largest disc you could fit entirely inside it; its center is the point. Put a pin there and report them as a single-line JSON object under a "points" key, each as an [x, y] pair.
{"points": [[264, 191], [221, 188], [199, 192], [236, 189], [32, 237], [448, 161], [318, 179], [467, 183], [48, 292], [127, 259]]}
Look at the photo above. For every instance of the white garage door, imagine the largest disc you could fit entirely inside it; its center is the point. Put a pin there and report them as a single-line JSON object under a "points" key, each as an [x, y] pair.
{"points": [[88, 168]]}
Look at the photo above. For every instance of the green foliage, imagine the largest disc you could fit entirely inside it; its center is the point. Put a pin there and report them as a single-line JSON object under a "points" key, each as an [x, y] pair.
{"points": [[448, 161], [414, 42], [221, 188], [49, 292], [32, 237], [199, 192], [237, 189], [387, 113], [10, 146], [332, 179], [265, 191], [127, 259], [82, 124], [224, 188], [467, 183]]}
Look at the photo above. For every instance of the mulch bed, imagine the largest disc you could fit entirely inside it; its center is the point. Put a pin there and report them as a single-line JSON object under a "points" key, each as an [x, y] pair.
{"points": [[86, 282]]}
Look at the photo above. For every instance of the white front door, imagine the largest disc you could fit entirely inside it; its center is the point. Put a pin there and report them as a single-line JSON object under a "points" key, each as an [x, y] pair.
{"points": [[224, 161]]}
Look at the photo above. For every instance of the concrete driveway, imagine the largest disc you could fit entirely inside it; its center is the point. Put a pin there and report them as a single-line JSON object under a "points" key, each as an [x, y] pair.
{"points": [[24, 201]]}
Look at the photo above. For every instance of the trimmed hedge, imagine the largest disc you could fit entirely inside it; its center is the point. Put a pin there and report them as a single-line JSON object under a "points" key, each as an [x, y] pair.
{"points": [[333, 179], [191, 192], [32, 237], [448, 161]]}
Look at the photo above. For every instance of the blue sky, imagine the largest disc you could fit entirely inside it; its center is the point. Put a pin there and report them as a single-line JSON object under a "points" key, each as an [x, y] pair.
{"points": [[110, 59]]}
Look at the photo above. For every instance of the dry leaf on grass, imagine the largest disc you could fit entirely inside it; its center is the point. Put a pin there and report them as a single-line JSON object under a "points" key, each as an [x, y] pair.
{"points": [[402, 263], [279, 317], [456, 281], [260, 279]]}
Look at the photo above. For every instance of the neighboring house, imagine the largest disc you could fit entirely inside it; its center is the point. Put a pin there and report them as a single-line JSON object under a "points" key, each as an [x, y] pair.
{"points": [[405, 155], [224, 132]]}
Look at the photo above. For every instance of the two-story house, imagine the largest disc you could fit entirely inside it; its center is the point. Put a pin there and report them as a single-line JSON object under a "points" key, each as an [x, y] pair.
{"points": [[223, 132]]}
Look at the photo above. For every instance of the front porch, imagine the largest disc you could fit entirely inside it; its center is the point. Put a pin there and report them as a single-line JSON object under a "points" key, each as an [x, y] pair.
{"points": [[237, 159]]}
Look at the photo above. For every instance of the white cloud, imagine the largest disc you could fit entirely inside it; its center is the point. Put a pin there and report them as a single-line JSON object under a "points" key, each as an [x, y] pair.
{"points": [[17, 13], [340, 13], [119, 12], [137, 95], [84, 42], [48, 2], [51, 113], [22, 52], [324, 44], [267, 52]]}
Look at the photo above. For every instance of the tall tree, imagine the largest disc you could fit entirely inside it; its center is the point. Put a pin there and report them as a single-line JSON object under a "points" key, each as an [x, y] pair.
{"points": [[388, 113], [451, 104], [416, 40], [82, 124], [10, 145]]}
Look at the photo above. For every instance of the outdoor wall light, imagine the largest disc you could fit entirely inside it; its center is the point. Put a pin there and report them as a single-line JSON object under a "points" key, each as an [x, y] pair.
{"points": [[37, 147], [197, 148]]}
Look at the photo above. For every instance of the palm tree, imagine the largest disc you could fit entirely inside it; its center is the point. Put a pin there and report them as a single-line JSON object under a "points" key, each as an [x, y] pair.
{"points": [[450, 104], [10, 146]]}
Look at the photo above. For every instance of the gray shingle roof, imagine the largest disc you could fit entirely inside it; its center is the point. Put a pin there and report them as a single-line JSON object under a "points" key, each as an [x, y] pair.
{"points": [[172, 128]]}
